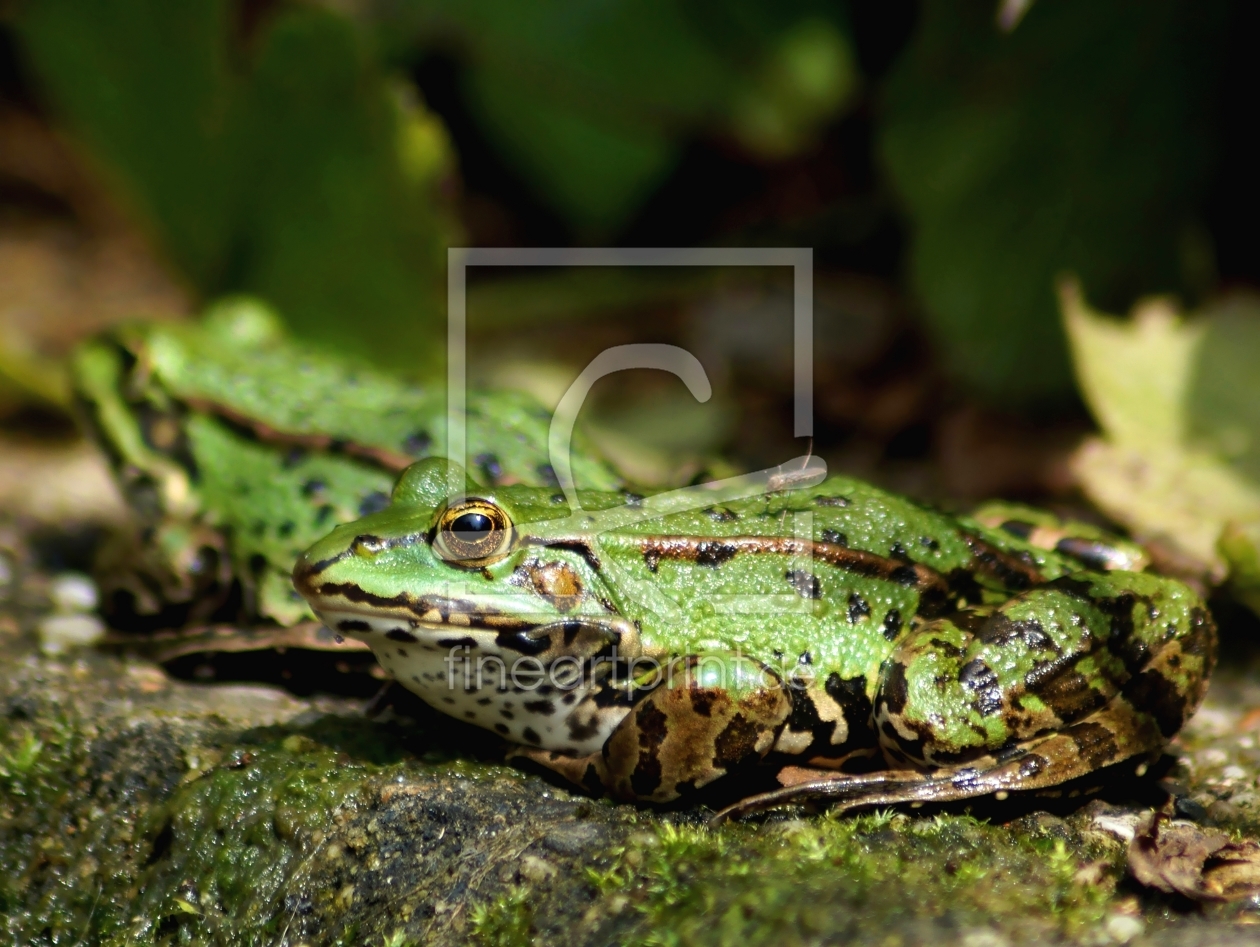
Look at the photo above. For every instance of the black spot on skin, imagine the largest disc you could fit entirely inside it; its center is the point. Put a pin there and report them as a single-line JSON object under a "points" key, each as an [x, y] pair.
{"points": [[702, 702], [1068, 693], [805, 583], [448, 700], [652, 559], [736, 743], [858, 609], [507, 715], [999, 630], [850, 694], [557, 498], [927, 542], [1159, 697], [402, 653], [285, 529], [464, 642], [982, 681], [899, 553], [1095, 743], [892, 624], [544, 707], [293, 457], [417, 443], [832, 501], [895, 689], [713, 553], [568, 698], [353, 624], [835, 537], [652, 725], [483, 701], [489, 466], [721, 514], [531, 736], [470, 714], [946, 649], [522, 642], [1013, 572], [374, 502], [502, 728], [963, 586], [313, 487], [399, 634], [582, 731], [324, 514], [905, 575], [547, 474]]}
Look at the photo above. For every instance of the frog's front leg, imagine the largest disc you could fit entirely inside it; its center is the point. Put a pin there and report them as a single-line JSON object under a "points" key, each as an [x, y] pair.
{"points": [[1061, 681], [710, 714]]}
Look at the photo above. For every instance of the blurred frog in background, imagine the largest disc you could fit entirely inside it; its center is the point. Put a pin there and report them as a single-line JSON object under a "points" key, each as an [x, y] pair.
{"points": [[238, 447]]}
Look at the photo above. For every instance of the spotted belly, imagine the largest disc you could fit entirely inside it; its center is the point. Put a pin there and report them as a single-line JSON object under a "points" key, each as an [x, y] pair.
{"points": [[468, 674]]}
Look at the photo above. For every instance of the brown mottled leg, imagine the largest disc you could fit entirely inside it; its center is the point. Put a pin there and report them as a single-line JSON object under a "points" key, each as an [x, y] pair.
{"points": [[711, 714], [1136, 722], [1112, 734]]}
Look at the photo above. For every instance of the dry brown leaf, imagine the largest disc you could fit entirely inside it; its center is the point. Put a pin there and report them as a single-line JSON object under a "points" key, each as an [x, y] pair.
{"points": [[1202, 864]]}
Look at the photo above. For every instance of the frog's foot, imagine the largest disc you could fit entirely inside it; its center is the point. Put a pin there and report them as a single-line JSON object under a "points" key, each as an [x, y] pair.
{"points": [[1110, 735]]}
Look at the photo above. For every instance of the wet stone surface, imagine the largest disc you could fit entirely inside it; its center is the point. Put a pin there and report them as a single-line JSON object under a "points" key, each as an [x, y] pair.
{"points": [[139, 809]]}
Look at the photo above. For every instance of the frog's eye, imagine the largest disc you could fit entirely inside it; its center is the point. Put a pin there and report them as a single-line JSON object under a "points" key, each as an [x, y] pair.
{"points": [[473, 533]]}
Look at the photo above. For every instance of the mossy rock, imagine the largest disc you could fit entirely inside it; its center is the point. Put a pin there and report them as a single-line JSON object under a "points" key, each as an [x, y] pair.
{"points": [[137, 809]]}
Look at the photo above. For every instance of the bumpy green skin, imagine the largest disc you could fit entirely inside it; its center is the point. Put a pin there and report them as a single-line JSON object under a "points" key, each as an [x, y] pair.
{"points": [[239, 448], [967, 658]]}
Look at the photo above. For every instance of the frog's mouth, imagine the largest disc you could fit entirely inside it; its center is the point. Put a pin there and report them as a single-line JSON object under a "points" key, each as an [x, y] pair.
{"points": [[349, 609], [438, 623]]}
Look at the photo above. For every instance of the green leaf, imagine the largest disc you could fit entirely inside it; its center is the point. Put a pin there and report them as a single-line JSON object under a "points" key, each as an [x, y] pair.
{"points": [[595, 173], [282, 164], [1080, 141], [592, 101], [1176, 399]]}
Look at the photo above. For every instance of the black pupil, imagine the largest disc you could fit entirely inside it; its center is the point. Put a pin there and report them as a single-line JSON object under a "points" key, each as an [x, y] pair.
{"points": [[471, 527]]}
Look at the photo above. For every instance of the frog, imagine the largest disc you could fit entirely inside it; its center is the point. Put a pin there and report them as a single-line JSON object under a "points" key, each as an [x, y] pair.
{"points": [[237, 446], [867, 648]]}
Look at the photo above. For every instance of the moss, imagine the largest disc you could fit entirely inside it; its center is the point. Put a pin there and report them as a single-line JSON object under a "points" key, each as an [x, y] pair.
{"points": [[855, 880], [114, 859], [507, 921]]}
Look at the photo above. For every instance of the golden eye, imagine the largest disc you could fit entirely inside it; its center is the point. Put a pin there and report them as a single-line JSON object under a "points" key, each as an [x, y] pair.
{"points": [[473, 533]]}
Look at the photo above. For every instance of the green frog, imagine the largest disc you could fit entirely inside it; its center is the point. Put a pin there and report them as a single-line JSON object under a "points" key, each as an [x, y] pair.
{"points": [[238, 447], [870, 649]]}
